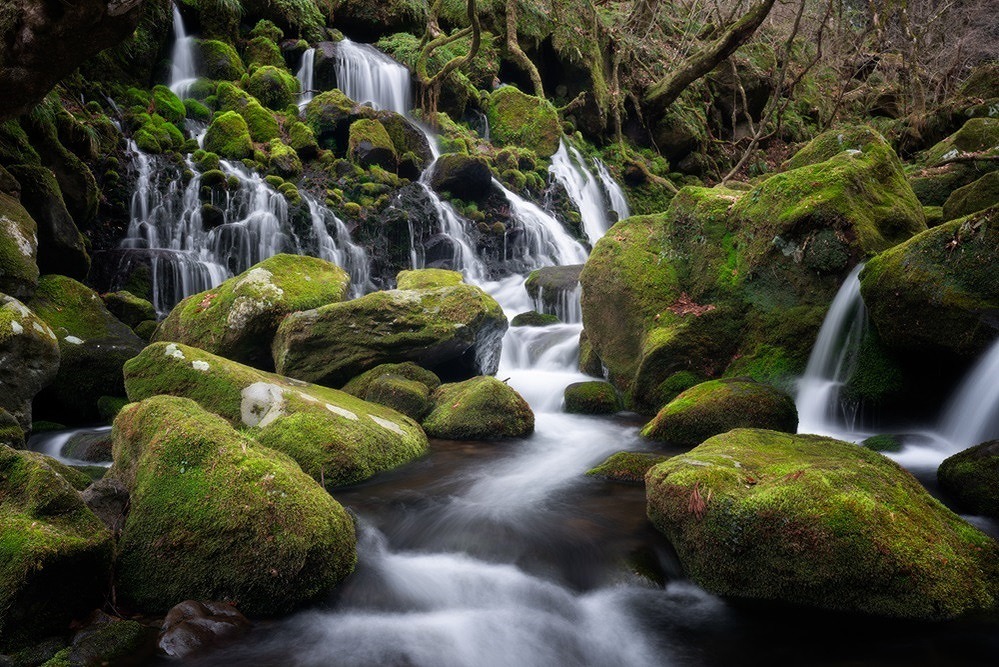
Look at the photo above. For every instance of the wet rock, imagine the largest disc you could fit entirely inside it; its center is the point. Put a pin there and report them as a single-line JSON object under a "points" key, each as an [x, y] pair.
{"points": [[128, 308], [18, 249], [108, 498], [369, 144], [553, 286], [29, 358], [192, 627], [972, 478], [627, 467], [533, 318], [482, 408], [324, 66], [462, 176], [592, 398], [111, 641]]}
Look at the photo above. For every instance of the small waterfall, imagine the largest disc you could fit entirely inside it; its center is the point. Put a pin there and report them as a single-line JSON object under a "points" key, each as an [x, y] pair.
{"points": [[306, 80], [368, 76], [831, 363], [567, 305], [182, 72], [972, 416], [613, 190], [544, 242], [592, 194]]}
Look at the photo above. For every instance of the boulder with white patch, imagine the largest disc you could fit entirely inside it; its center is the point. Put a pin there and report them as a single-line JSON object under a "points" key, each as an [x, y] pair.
{"points": [[93, 344], [238, 319], [335, 437], [29, 358], [18, 249]]}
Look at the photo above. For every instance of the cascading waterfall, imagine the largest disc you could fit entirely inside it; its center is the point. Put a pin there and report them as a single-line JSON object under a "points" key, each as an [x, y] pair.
{"points": [[306, 80], [368, 76], [592, 194], [618, 202], [831, 363], [182, 71], [972, 416]]}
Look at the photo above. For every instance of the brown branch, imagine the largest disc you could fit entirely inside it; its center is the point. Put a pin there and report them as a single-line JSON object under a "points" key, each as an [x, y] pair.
{"points": [[517, 53]]}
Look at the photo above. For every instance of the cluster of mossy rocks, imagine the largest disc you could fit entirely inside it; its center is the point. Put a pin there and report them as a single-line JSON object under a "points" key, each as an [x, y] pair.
{"points": [[218, 490]]}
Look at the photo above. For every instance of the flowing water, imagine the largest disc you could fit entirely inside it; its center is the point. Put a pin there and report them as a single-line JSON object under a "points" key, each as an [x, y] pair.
{"points": [[182, 71], [306, 81], [972, 416], [594, 194]]}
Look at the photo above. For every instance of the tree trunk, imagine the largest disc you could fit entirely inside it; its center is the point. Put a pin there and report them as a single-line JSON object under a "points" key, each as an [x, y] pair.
{"points": [[518, 55], [665, 92]]}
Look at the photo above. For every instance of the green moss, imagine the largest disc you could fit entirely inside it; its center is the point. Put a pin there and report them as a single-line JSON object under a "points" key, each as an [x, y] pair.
{"points": [[627, 467], [977, 134], [274, 87], [409, 397], [533, 318], [261, 123], [359, 385], [516, 118], [229, 137], [217, 60], [18, 249], [284, 161], [238, 319], [718, 406], [129, 308], [216, 516], [427, 279], [195, 110], [11, 433], [813, 521], [267, 29], [335, 437], [327, 114], [168, 105], [592, 398], [883, 443], [973, 197], [972, 478], [674, 385], [111, 643], [303, 140], [368, 143], [261, 51], [55, 555], [482, 408]]}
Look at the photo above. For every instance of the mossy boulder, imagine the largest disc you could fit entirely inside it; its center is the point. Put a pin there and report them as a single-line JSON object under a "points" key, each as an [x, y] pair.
{"points": [[592, 398], [409, 397], [168, 105], [238, 319], [455, 331], [229, 137], [11, 433], [29, 358], [973, 197], [427, 279], [61, 247], [359, 385], [553, 288], [971, 477], [262, 51], [215, 515], [18, 249], [328, 115], [217, 60], [519, 119], [154, 134], [111, 641], [627, 467], [481, 408], [335, 437], [718, 406], [369, 144], [284, 161], [93, 346], [465, 177], [976, 135], [302, 140], [55, 555], [939, 290], [260, 122], [533, 318], [813, 521], [275, 88], [128, 308]]}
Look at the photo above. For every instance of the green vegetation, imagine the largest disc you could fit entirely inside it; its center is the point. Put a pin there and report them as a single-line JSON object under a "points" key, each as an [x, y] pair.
{"points": [[482, 408]]}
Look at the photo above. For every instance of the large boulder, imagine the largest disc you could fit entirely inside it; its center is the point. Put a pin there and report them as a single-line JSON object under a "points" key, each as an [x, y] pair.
{"points": [[972, 478], [482, 408], [519, 119], [973, 197], [328, 115], [61, 246], [29, 358], [128, 308], [229, 137], [238, 319], [813, 521], [217, 60], [18, 249], [455, 331], [554, 288], [335, 437], [592, 398], [939, 291], [215, 515], [273, 87], [93, 347], [463, 176], [369, 144], [736, 282], [261, 124], [56, 554], [718, 406]]}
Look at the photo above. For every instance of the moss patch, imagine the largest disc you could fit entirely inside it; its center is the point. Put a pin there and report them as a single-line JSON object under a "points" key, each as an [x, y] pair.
{"points": [[519, 119], [482, 408]]}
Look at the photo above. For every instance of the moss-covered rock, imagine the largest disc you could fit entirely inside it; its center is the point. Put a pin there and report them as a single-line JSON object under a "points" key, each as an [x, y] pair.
{"points": [[29, 358], [11, 433], [61, 247], [359, 385], [18, 249], [228, 136], [409, 397], [302, 140], [533, 318], [554, 287], [55, 555], [466, 177], [627, 467], [217, 516], [328, 115], [217, 60], [238, 319], [335, 437], [154, 134], [275, 88], [938, 291], [93, 347], [814, 521], [369, 144], [168, 105], [481, 408], [259, 121], [971, 477], [977, 134], [455, 331], [592, 398], [427, 279], [718, 406], [370, 18], [262, 51], [519, 119], [971, 198], [128, 308], [112, 642], [284, 161]]}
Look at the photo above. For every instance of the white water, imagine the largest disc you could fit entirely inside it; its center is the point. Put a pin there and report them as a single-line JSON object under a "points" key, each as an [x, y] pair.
{"points": [[52, 443], [182, 71], [306, 80], [972, 416], [830, 365], [368, 76], [593, 194]]}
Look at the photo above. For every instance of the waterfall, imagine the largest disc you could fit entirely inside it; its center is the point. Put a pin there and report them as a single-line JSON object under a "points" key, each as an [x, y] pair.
{"points": [[182, 72], [306, 81], [831, 363], [972, 415], [545, 241], [368, 76], [592, 194]]}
